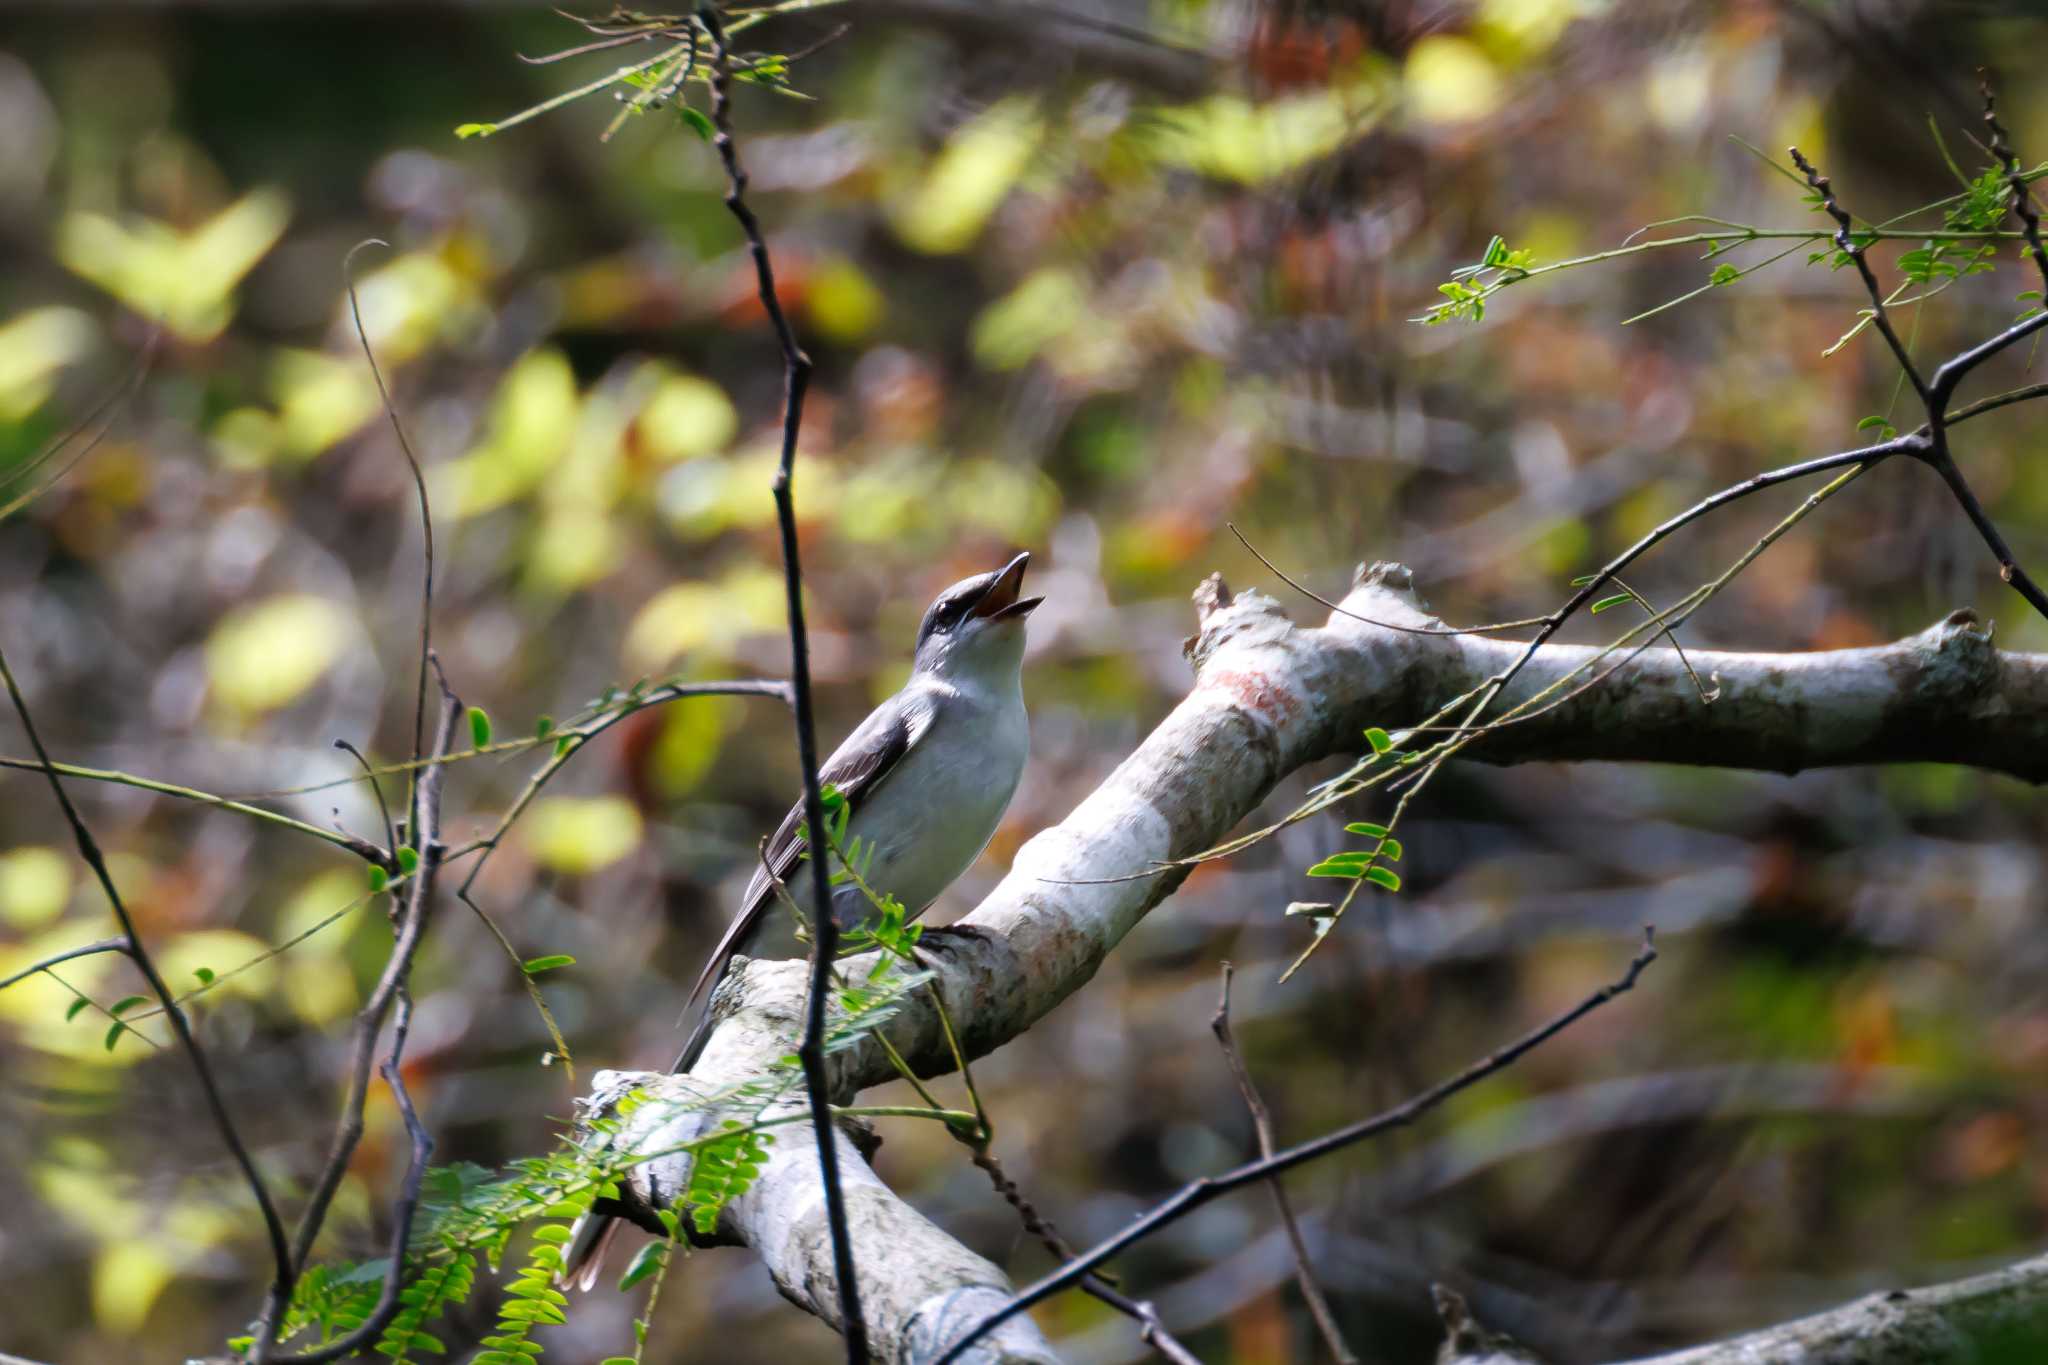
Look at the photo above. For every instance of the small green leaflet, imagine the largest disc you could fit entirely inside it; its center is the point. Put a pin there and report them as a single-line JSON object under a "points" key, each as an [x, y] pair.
{"points": [[408, 859], [72, 1013], [1381, 741], [1724, 274], [696, 122], [114, 1034], [534, 966], [379, 878], [468, 130], [644, 1263], [1353, 863], [479, 727], [1604, 603], [1367, 828], [543, 727], [205, 975], [122, 1006]]}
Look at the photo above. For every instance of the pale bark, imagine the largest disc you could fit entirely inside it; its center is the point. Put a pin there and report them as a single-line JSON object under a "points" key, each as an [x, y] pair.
{"points": [[2000, 1318], [1269, 697]]}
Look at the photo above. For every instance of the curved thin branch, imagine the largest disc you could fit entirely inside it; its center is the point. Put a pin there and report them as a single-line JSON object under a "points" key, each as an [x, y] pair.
{"points": [[105, 945], [1209, 1188]]}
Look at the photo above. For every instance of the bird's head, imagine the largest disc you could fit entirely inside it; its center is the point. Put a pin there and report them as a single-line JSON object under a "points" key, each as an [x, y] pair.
{"points": [[976, 627]]}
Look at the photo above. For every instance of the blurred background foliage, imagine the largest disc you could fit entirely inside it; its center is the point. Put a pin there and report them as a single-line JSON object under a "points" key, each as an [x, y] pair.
{"points": [[1088, 281]]}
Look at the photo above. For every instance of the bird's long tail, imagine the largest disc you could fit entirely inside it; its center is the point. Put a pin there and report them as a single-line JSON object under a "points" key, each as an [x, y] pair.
{"points": [[583, 1257], [590, 1237]]}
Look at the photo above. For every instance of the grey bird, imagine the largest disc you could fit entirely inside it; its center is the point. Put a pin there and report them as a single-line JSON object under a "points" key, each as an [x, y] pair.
{"points": [[926, 778]]}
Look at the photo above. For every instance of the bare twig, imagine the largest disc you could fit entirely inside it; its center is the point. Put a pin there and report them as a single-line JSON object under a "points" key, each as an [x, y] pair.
{"points": [[403, 1209], [1262, 1126], [105, 945], [89, 849], [419, 479], [1340, 609], [2016, 180], [796, 371], [1201, 1192], [1151, 1329], [568, 742], [411, 925], [362, 848], [377, 790], [1850, 245]]}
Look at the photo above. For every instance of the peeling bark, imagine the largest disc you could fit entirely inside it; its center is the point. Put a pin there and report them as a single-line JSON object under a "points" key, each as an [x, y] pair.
{"points": [[1269, 697]]}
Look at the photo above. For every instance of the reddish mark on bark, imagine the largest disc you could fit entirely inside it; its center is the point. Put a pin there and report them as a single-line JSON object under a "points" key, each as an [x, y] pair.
{"points": [[1256, 693]]}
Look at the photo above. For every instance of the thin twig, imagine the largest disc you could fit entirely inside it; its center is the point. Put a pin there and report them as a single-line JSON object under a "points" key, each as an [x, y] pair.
{"points": [[1341, 610], [568, 742], [796, 371], [362, 848], [1262, 1125], [419, 479], [2016, 180], [1151, 1329], [403, 1208], [411, 928], [1201, 1192], [1847, 240], [105, 945], [89, 849], [376, 789]]}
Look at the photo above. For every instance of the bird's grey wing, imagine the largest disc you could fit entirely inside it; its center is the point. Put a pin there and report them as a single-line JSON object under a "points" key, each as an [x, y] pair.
{"points": [[856, 768]]}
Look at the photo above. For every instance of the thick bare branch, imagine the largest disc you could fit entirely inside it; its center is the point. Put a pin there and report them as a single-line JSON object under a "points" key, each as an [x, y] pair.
{"points": [[1268, 697], [1998, 1316]]}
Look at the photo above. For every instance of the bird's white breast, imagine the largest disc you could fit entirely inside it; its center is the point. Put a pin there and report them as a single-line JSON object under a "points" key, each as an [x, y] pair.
{"points": [[939, 806]]}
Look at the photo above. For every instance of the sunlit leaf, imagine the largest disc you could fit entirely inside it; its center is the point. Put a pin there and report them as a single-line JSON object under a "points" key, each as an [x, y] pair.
{"points": [[971, 176], [1450, 80], [581, 834], [533, 416], [33, 348], [185, 277], [1249, 142], [35, 885], [264, 656], [686, 417], [128, 1275]]}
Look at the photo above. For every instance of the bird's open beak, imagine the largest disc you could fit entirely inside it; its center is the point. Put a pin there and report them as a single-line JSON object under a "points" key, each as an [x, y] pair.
{"points": [[1000, 602]]}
